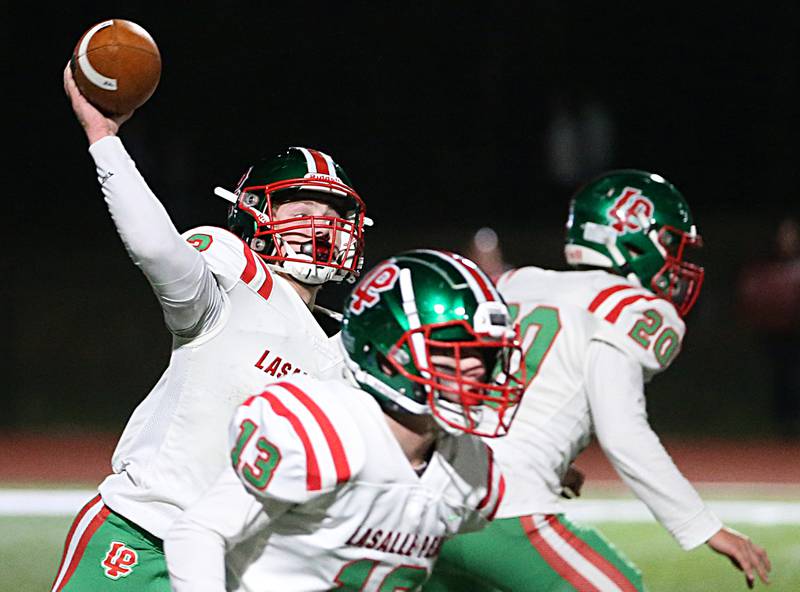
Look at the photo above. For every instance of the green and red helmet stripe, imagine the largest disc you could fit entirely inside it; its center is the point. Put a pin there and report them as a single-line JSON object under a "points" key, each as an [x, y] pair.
{"points": [[480, 284], [318, 162]]}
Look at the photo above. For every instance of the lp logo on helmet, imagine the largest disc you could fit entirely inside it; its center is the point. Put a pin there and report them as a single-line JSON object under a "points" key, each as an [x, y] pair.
{"points": [[379, 280], [119, 560], [628, 210]]}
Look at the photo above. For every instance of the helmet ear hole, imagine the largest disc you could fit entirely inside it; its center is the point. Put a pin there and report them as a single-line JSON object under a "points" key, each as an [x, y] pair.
{"points": [[250, 199]]}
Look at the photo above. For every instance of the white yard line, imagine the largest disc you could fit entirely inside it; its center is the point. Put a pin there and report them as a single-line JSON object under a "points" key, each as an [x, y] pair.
{"points": [[763, 512], [43, 502], [67, 502]]}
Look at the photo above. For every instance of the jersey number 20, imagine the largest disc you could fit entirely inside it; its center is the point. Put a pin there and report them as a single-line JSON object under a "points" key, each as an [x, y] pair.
{"points": [[666, 343]]}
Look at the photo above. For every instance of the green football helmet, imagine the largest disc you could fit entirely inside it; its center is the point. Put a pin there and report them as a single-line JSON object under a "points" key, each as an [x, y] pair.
{"points": [[639, 225], [322, 248], [425, 332]]}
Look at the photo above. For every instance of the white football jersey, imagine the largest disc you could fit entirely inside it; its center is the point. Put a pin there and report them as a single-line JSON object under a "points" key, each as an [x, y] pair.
{"points": [[560, 315], [259, 330], [329, 497]]}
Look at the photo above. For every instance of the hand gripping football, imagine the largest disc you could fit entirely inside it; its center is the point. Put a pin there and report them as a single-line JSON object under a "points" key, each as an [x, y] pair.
{"points": [[116, 66]]}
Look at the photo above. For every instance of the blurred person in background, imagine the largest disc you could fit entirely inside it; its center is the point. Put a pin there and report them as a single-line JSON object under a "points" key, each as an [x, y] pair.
{"points": [[592, 339], [484, 249], [240, 307], [769, 300]]}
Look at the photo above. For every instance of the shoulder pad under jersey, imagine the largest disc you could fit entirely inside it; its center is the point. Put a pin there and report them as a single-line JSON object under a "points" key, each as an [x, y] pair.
{"points": [[230, 259], [296, 440], [640, 323], [519, 281]]}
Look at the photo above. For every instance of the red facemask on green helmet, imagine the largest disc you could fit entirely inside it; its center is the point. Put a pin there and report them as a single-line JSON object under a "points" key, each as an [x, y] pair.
{"points": [[311, 248], [639, 225], [426, 333]]}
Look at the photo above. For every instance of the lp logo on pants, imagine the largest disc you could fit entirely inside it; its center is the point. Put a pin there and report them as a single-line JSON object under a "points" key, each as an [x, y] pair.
{"points": [[119, 560]]}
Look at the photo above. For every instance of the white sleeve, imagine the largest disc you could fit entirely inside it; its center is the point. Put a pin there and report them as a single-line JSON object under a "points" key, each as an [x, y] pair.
{"points": [[186, 289], [616, 399], [196, 544]]}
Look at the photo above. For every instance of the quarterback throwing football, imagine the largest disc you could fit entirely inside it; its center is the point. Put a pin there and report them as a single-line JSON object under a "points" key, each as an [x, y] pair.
{"points": [[239, 306]]}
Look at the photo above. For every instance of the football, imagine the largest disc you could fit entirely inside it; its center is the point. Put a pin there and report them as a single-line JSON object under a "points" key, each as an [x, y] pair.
{"points": [[116, 65]]}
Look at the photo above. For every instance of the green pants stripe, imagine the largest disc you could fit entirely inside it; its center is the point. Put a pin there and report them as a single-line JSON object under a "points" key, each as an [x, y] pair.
{"points": [[537, 553], [104, 552]]}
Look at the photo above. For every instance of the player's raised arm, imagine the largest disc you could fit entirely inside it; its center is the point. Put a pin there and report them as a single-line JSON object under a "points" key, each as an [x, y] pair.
{"points": [[94, 123], [186, 290]]}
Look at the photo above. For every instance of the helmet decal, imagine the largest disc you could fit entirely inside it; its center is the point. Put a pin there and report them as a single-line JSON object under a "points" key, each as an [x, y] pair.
{"points": [[630, 210], [367, 292], [473, 276]]}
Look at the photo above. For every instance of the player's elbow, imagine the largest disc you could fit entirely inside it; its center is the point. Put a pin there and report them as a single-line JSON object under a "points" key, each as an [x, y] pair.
{"points": [[616, 443], [148, 255]]}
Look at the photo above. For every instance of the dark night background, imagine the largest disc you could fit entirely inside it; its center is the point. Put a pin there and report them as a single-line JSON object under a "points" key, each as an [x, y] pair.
{"points": [[447, 119]]}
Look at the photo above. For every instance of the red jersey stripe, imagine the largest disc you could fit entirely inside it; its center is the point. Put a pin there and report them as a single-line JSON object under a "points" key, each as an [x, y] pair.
{"points": [[96, 523], [591, 555], [266, 288], [553, 559], [313, 481], [489, 480], [603, 296], [320, 162], [250, 268], [617, 310], [71, 532], [331, 437], [501, 491]]}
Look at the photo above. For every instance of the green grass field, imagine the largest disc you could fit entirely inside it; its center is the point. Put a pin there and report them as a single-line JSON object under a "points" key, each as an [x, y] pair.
{"points": [[31, 547]]}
